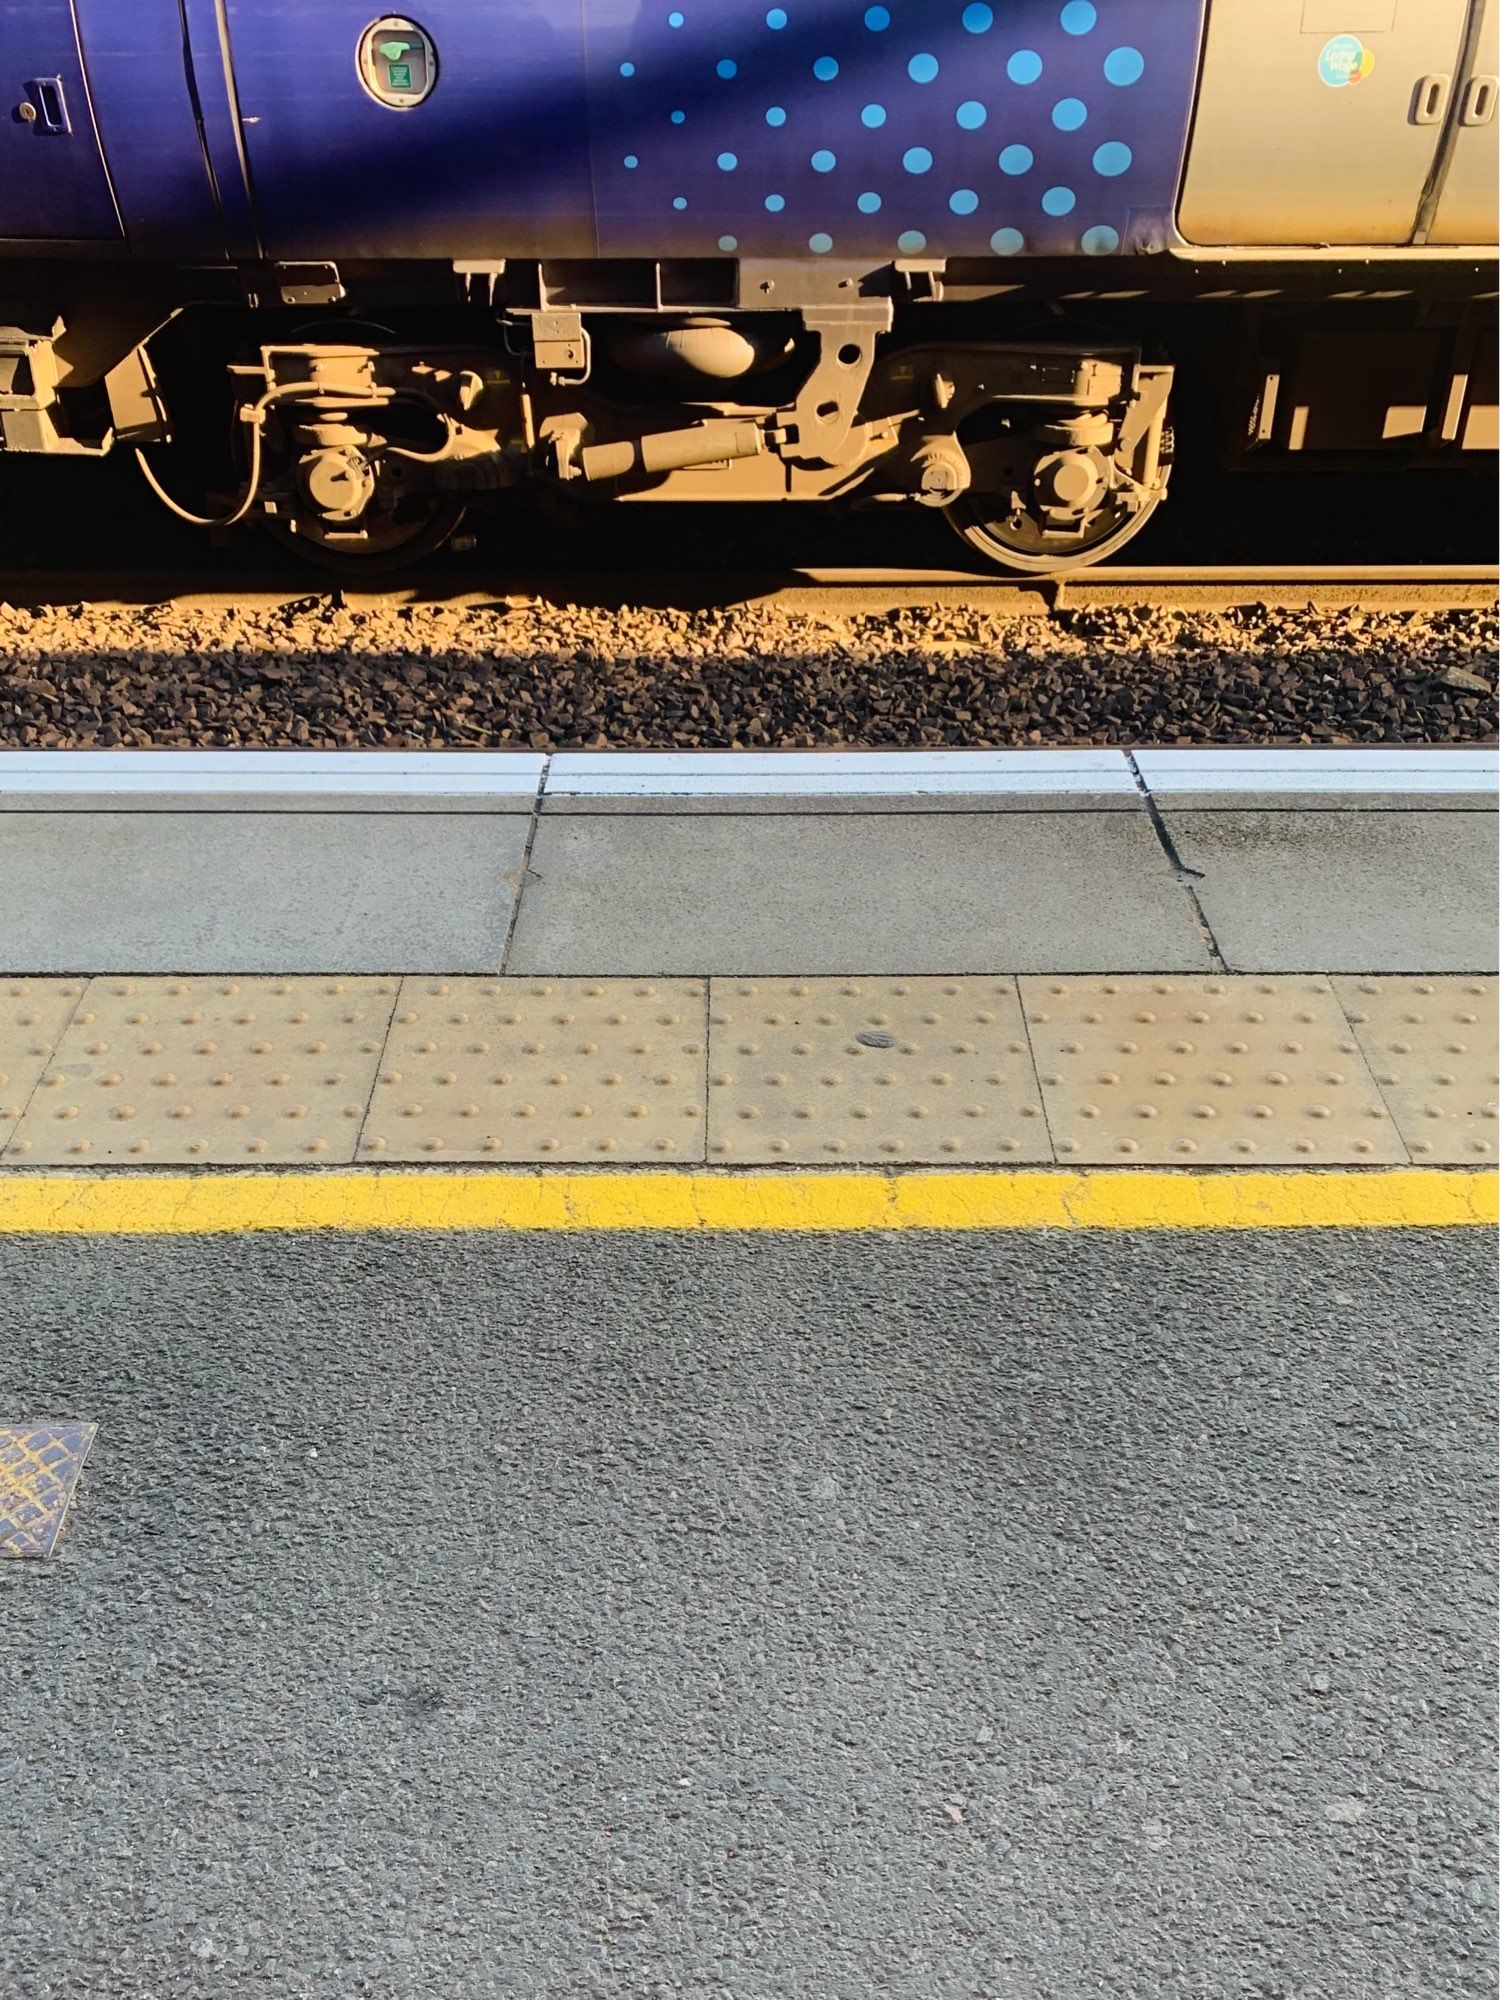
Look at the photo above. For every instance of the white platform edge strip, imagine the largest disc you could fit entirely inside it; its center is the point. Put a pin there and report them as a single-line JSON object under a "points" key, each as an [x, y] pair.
{"points": [[84, 774]]}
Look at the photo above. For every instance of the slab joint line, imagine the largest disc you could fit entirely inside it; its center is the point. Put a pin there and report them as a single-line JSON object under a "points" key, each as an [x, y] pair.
{"points": [[1184, 876]]}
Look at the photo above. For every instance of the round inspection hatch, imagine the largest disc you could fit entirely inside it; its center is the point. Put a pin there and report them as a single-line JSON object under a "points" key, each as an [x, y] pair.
{"points": [[397, 62]]}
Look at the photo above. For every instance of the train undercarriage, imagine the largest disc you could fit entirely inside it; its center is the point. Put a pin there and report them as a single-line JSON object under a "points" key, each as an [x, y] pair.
{"points": [[359, 426]]}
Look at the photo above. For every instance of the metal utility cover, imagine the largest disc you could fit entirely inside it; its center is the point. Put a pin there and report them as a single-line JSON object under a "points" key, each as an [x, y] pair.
{"points": [[1431, 1044], [39, 1468], [209, 1072], [546, 1071], [1204, 1072], [33, 1013], [920, 1069]]}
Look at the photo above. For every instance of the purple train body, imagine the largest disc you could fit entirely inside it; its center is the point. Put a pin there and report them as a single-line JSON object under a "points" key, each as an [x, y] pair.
{"points": [[719, 249]]}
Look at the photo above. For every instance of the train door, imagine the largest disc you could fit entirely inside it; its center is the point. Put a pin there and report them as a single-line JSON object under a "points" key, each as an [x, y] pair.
{"points": [[53, 183], [1466, 209], [1319, 121], [458, 134]]}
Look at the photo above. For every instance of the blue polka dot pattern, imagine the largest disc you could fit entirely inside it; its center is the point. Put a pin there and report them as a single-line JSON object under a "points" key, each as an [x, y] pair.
{"points": [[859, 126], [1124, 66]]}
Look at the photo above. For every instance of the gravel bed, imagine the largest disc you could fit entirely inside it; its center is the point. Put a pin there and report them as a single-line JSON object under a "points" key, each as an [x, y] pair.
{"points": [[540, 676]]}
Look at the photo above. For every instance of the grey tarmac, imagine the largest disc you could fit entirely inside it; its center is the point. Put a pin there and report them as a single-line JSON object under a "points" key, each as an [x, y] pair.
{"points": [[984, 1617]]}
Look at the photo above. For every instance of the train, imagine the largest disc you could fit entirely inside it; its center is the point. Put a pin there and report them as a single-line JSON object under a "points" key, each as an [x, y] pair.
{"points": [[346, 279]]}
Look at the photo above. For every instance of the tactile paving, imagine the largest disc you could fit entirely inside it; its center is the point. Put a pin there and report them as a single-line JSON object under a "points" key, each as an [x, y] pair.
{"points": [[918, 1070], [543, 1070], [39, 1468], [1204, 1071], [33, 1013], [209, 1072], [1431, 1044]]}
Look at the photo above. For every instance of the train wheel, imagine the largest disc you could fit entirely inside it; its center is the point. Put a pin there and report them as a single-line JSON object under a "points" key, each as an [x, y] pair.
{"points": [[377, 544], [1012, 538]]}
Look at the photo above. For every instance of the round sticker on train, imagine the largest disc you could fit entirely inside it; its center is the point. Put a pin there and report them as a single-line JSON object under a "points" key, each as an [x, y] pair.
{"points": [[397, 62], [1345, 60]]}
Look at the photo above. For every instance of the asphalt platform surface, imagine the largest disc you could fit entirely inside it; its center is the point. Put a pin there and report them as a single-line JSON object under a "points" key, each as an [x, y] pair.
{"points": [[955, 1618]]}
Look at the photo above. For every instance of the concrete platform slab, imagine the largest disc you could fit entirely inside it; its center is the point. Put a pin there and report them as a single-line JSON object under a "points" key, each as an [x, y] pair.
{"points": [[256, 892], [823, 894], [1346, 892]]}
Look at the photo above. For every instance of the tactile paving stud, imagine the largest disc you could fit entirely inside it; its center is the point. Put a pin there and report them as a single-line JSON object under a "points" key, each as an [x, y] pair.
{"points": [[209, 1072], [33, 1013], [1431, 1044], [920, 1070], [1204, 1071], [548, 1071]]}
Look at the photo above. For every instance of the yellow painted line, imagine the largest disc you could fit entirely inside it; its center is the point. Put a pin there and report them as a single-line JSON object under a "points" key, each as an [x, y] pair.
{"points": [[224, 1203]]}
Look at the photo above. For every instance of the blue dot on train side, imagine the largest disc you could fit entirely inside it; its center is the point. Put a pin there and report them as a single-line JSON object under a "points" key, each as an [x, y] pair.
{"points": [[868, 204], [1059, 201], [873, 115], [679, 201], [775, 115], [630, 160], [916, 159], [678, 117], [674, 20], [971, 115], [1078, 17], [978, 19], [1017, 160], [824, 162], [922, 68], [963, 201], [1124, 66], [1069, 113], [911, 241], [775, 203], [776, 18], [1025, 66], [825, 69], [1112, 158], [725, 68], [728, 162], [1101, 240], [627, 69], [729, 243], [877, 18], [820, 243], [1006, 242]]}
